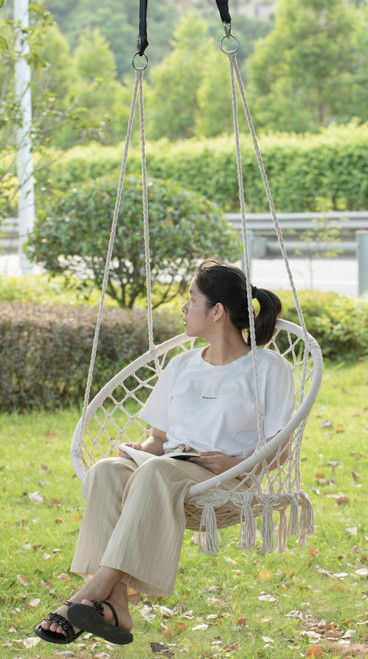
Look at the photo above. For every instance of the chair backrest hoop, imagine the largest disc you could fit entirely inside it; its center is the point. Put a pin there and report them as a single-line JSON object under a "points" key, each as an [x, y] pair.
{"points": [[261, 453]]}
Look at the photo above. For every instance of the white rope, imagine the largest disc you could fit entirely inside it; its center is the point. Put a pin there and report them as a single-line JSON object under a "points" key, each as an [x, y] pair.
{"points": [[246, 256], [146, 220], [234, 65], [139, 74]]}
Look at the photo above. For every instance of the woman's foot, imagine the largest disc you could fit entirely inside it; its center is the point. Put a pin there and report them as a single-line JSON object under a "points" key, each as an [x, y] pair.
{"points": [[97, 588]]}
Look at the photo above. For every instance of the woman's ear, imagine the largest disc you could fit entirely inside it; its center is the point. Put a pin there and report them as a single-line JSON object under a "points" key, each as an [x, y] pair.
{"points": [[219, 311]]}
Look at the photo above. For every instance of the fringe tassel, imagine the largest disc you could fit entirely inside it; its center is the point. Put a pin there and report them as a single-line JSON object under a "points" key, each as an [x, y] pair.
{"points": [[282, 533], [267, 528], [247, 535], [209, 525], [293, 528], [306, 521]]}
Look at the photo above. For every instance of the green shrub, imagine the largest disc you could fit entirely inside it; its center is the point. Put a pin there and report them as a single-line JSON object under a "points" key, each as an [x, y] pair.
{"points": [[45, 350], [339, 324], [73, 236], [302, 169]]}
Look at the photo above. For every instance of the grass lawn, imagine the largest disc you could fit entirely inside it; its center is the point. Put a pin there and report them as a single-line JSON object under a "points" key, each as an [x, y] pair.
{"points": [[237, 604]]}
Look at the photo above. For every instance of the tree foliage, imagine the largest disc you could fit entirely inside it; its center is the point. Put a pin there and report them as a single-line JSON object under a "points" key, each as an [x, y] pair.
{"points": [[72, 237], [308, 70], [56, 98]]}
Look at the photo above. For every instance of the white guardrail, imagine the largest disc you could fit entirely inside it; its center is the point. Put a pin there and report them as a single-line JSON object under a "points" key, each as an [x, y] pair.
{"points": [[351, 239], [294, 227]]}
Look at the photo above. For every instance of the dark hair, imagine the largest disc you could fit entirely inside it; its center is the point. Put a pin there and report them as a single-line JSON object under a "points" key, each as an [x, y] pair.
{"points": [[227, 284]]}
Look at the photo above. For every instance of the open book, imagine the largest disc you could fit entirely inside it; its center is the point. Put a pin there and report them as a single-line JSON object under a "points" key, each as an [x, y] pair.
{"points": [[141, 456]]}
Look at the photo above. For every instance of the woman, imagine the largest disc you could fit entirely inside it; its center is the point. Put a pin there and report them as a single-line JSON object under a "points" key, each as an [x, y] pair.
{"points": [[133, 527]]}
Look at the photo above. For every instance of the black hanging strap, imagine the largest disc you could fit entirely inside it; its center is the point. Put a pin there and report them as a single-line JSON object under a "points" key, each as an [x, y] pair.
{"points": [[142, 38], [223, 7]]}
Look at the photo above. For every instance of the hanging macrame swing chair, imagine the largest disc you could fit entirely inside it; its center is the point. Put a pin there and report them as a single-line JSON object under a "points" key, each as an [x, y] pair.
{"points": [[112, 416]]}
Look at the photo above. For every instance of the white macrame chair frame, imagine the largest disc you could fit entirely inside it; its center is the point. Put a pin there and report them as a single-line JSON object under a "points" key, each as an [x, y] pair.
{"points": [[266, 481]]}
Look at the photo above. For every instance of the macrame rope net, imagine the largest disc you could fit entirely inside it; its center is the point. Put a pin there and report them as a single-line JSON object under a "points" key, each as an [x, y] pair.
{"points": [[112, 416]]}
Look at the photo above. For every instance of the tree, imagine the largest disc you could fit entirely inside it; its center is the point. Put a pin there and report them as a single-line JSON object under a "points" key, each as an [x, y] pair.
{"points": [[72, 237], [302, 74], [172, 99], [54, 106], [117, 21]]}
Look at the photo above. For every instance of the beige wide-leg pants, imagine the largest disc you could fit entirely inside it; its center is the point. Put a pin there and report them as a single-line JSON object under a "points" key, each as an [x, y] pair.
{"points": [[134, 520]]}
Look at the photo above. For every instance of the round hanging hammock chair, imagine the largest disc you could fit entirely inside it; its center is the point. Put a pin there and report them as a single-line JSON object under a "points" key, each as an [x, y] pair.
{"points": [[266, 481]]}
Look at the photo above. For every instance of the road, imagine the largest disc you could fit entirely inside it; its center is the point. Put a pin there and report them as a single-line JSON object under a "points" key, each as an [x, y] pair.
{"points": [[339, 275]]}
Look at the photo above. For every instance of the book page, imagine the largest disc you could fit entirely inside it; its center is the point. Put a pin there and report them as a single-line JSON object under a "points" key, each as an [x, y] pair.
{"points": [[140, 457]]}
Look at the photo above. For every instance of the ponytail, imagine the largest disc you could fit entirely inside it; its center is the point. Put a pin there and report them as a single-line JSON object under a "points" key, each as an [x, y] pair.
{"points": [[265, 319]]}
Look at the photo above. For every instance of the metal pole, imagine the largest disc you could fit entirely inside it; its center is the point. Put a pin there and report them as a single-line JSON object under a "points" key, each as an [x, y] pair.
{"points": [[362, 239], [26, 202]]}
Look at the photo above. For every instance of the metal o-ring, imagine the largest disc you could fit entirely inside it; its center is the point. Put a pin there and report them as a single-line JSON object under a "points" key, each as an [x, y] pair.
{"points": [[139, 68], [229, 52]]}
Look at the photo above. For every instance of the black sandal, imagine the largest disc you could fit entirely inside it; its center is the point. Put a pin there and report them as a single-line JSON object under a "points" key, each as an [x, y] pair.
{"points": [[93, 621], [54, 637]]}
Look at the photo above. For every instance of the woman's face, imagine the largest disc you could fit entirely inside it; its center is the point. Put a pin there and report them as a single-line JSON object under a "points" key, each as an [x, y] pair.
{"points": [[196, 313]]}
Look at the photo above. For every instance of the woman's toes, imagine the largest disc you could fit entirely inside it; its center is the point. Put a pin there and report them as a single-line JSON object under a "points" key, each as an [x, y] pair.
{"points": [[87, 603]]}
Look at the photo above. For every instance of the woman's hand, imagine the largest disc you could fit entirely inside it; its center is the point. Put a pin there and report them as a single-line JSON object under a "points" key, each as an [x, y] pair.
{"points": [[137, 445], [216, 461]]}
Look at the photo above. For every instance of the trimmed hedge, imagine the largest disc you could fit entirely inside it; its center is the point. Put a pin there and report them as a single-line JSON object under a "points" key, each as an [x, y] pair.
{"points": [[45, 350], [302, 169]]}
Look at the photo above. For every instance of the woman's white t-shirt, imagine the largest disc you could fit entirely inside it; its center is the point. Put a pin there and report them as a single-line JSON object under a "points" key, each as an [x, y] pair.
{"points": [[213, 408]]}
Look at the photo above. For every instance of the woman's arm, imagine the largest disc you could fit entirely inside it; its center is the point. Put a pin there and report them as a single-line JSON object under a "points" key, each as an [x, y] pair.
{"points": [[153, 444], [218, 462]]}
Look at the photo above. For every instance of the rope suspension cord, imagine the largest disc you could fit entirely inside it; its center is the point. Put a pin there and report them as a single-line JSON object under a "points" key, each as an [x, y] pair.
{"points": [[246, 260], [234, 68], [138, 87], [151, 345], [110, 248]]}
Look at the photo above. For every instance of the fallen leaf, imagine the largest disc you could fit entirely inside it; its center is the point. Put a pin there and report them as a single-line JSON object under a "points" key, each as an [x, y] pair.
{"points": [[161, 649], [166, 632], [233, 647], [349, 633], [50, 435], [313, 552], [23, 580], [147, 613], [31, 642], [265, 575], [314, 652], [180, 627], [167, 613], [35, 497], [363, 572], [341, 500], [267, 598], [200, 628], [63, 577], [355, 475], [241, 621]]}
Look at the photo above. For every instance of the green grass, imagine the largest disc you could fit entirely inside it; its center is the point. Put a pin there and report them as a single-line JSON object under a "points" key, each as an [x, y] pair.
{"points": [[222, 592]]}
